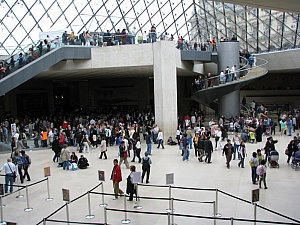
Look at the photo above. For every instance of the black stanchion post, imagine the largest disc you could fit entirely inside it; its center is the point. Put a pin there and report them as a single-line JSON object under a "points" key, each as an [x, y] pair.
{"points": [[102, 190], [48, 190], [89, 216], [28, 209], [137, 199], [126, 220], [19, 196]]}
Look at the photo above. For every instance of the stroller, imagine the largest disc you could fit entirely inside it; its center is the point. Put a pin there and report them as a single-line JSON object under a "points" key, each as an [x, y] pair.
{"points": [[273, 159], [295, 160], [252, 138]]}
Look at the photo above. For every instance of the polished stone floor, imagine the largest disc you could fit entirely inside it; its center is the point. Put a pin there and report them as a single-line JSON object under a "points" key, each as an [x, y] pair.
{"points": [[282, 196]]}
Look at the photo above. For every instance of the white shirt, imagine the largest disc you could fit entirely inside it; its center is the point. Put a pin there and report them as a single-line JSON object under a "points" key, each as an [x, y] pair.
{"points": [[160, 136], [9, 170], [138, 144], [193, 119]]}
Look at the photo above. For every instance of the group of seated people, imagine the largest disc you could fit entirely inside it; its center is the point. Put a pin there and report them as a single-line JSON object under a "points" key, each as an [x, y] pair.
{"points": [[74, 162]]}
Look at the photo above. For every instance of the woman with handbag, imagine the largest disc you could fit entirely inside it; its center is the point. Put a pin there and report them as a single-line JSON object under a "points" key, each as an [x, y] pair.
{"points": [[291, 148]]}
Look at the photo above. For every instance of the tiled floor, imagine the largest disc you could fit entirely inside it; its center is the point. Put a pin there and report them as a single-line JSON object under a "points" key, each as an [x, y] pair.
{"points": [[282, 196]]}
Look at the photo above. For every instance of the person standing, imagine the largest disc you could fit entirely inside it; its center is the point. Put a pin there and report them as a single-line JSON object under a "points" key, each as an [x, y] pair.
{"points": [[261, 171], [138, 150], [116, 177], [123, 154], [237, 140], [291, 149], [201, 150], [149, 143], [254, 164], [11, 172], [17, 160], [242, 153], [196, 140], [160, 139], [65, 156], [103, 148], [146, 162], [185, 148], [189, 134], [228, 150], [131, 187], [208, 147]]}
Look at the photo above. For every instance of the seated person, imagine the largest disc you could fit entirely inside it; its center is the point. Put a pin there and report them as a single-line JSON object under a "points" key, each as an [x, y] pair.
{"points": [[73, 158], [171, 142], [83, 162]]}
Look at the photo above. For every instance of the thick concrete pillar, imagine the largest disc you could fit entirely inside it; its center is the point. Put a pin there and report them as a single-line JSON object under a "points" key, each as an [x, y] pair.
{"points": [[165, 87], [228, 55]]}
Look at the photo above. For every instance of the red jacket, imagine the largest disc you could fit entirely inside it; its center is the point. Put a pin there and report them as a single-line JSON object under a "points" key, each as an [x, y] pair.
{"points": [[117, 175]]}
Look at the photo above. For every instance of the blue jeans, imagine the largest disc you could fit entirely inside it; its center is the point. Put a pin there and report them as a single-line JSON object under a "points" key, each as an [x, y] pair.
{"points": [[9, 179], [235, 148], [74, 142], [160, 142], [154, 138], [290, 130], [66, 165], [190, 140], [186, 154], [149, 148], [153, 36]]}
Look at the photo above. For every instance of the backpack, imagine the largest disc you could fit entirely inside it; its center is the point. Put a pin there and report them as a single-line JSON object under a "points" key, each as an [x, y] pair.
{"points": [[28, 160], [18, 161], [146, 164]]}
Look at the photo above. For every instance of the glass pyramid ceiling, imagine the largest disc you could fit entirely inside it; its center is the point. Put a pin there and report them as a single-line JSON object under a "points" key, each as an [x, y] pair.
{"points": [[22, 21]]}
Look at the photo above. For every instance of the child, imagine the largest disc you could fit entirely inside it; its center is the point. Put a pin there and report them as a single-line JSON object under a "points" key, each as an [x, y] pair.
{"points": [[259, 156], [261, 171], [253, 163]]}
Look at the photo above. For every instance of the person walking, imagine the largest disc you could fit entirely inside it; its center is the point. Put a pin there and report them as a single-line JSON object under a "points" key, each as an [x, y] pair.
{"points": [[185, 147], [149, 143], [131, 187], [228, 150], [26, 161], [11, 172], [236, 140], [146, 162], [208, 147], [242, 153], [160, 139], [17, 160], [56, 148], [123, 154], [137, 147], [103, 148], [116, 177]]}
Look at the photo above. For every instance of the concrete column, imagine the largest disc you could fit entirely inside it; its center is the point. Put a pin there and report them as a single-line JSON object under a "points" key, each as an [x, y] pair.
{"points": [[165, 87], [228, 55]]}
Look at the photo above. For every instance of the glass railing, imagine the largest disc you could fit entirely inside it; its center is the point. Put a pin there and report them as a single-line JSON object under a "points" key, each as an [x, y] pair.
{"points": [[258, 67]]}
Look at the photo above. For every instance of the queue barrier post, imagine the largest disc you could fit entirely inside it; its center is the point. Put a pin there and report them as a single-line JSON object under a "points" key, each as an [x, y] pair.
{"points": [[170, 200], [172, 212], [1, 210], [169, 218], [28, 209], [214, 212], [105, 216], [126, 220], [89, 216], [68, 214], [1, 204], [137, 199], [44, 221], [255, 211], [48, 190], [19, 196], [231, 221], [102, 190]]}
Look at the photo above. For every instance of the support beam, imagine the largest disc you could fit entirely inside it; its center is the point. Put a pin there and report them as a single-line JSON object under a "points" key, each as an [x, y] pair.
{"points": [[165, 87]]}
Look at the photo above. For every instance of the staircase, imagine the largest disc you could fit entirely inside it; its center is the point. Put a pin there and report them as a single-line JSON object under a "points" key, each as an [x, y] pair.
{"points": [[207, 96]]}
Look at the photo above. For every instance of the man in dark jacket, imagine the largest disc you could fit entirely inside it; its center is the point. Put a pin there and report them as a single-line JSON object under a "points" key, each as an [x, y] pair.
{"points": [[228, 150], [56, 148], [79, 138], [208, 147], [83, 162]]}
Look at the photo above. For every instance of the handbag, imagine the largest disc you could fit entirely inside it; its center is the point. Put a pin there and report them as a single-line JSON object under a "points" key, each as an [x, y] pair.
{"points": [[251, 163], [125, 155], [287, 152]]}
